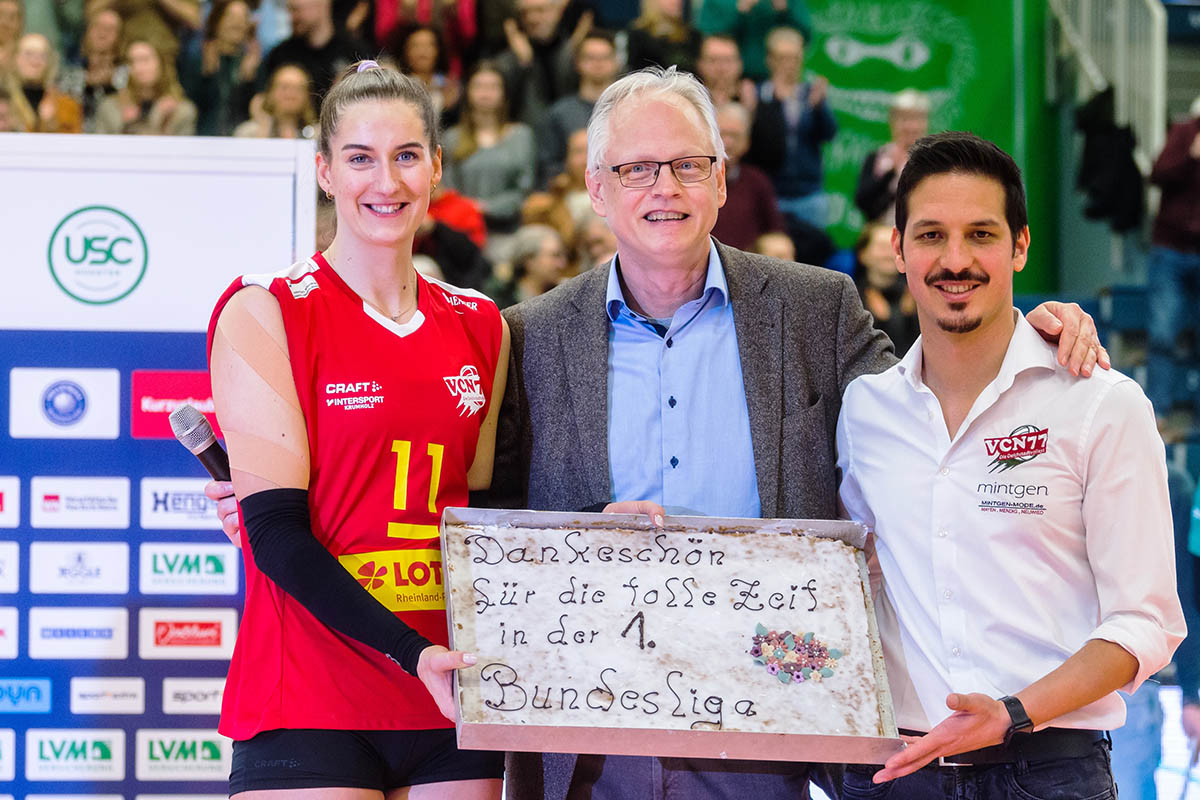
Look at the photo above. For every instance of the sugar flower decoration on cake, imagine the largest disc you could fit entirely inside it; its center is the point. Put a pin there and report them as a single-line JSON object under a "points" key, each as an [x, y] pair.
{"points": [[793, 657]]}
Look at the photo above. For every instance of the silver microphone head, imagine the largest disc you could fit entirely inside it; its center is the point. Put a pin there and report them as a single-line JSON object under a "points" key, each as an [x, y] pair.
{"points": [[191, 429]]}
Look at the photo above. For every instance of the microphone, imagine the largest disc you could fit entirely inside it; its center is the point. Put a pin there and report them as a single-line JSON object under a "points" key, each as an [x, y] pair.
{"points": [[193, 432]]}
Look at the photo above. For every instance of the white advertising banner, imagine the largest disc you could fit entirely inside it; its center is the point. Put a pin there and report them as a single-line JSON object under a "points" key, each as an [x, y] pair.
{"points": [[83, 503], [64, 403], [79, 568], [122, 251]]}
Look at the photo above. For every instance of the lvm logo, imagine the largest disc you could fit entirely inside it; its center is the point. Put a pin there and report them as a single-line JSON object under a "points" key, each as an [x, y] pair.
{"points": [[63, 754], [181, 568], [182, 754]]}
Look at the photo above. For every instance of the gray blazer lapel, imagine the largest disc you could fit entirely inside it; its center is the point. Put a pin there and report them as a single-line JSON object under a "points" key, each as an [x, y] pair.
{"points": [[583, 343], [758, 321]]}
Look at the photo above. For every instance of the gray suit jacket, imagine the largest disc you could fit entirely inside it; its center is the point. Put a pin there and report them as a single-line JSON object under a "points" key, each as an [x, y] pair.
{"points": [[803, 335]]}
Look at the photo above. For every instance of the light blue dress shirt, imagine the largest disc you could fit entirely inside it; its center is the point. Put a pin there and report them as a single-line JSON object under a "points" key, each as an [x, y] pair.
{"points": [[678, 427]]}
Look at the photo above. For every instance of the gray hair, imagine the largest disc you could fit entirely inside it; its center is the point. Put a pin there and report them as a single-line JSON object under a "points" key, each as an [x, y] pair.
{"points": [[526, 243], [910, 100], [650, 82]]}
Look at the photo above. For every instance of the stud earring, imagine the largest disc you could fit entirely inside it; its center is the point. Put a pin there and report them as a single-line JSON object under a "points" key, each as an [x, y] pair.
{"points": [[329, 195]]}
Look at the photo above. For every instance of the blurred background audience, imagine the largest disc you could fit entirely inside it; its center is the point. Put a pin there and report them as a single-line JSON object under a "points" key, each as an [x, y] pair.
{"points": [[152, 101]]}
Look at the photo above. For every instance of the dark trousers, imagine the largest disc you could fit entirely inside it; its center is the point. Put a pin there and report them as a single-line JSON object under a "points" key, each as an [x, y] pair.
{"points": [[1087, 778]]}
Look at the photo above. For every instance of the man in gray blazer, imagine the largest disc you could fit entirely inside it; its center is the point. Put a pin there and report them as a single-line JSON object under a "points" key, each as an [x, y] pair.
{"points": [[684, 373]]}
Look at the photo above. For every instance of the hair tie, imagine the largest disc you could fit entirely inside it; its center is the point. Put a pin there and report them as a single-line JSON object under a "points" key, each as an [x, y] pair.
{"points": [[363, 66]]}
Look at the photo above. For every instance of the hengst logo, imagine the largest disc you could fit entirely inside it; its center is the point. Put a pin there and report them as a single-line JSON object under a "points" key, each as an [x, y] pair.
{"points": [[74, 754], [181, 755], [25, 696], [182, 503]]}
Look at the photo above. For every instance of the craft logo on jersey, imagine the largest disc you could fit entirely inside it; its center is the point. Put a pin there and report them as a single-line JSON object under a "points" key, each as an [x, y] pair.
{"points": [[25, 696], [465, 386], [97, 255], [64, 402], [1025, 443], [74, 754], [182, 754], [353, 395]]}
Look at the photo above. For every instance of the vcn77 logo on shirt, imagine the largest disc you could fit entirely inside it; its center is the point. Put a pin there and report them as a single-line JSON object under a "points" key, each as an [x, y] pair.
{"points": [[186, 633], [182, 755], [177, 504], [180, 568], [1025, 443], [74, 754]]}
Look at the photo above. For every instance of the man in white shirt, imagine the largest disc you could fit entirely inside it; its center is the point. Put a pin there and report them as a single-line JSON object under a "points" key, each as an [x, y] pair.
{"points": [[1021, 516]]}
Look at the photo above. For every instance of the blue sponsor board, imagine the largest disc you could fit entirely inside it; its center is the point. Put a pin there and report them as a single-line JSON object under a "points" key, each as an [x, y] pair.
{"points": [[24, 695]]}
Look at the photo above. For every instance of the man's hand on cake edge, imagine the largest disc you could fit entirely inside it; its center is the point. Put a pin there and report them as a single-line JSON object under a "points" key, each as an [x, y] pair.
{"points": [[978, 721], [648, 507]]}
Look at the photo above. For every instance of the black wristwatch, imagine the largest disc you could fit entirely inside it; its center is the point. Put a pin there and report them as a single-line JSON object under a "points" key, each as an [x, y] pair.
{"points": [[1021, 723]]}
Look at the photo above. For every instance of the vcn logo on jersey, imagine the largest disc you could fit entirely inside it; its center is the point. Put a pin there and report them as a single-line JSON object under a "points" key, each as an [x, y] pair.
{"points": [[78, 633], [192, 695], [186, 633], [54, 403], [177, 504], [87, 503], [174, 755], [97, 255], [353, 395], [465, 386], [170, 568], [24, 695], [79, 568], [75, 754]]}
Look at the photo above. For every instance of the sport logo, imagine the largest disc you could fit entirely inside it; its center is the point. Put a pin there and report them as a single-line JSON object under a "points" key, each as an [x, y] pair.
{"points": [[1025, 443], [64, 402], [354, 395], [465, 386], [168, 633]]}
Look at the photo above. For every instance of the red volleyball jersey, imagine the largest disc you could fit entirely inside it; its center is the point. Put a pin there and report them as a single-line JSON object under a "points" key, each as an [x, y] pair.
{"points": [[393, 415]]}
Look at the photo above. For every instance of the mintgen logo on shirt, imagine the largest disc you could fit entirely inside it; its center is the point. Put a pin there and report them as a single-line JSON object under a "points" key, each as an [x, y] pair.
{"points": [[180, 568], [70, 754], [97, 255], [182, 754]]}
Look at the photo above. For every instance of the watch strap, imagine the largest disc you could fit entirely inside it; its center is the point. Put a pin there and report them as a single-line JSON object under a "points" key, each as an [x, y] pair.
{"points": [[1020, 721]]}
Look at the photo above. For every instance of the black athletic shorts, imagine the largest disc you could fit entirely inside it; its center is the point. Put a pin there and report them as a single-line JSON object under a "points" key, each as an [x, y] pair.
{"points": [[381, 760]]}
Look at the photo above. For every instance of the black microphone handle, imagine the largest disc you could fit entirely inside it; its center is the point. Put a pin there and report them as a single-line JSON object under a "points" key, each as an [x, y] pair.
{"points": [[215, 461]]}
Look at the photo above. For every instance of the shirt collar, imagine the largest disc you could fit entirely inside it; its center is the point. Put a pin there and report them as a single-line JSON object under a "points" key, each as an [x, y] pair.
{"points": [[1026, 350], [714, 284]]}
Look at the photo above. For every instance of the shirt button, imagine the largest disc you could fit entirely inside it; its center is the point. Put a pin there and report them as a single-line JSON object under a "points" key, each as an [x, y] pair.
{"points": [[956, 652], [674, 462], [943, 533], [671, 402], [944, 471], [670, 342], [947, 594]]}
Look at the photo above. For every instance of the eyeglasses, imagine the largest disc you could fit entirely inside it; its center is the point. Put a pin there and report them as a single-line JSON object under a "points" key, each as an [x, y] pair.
{"points": [[640, 174]]}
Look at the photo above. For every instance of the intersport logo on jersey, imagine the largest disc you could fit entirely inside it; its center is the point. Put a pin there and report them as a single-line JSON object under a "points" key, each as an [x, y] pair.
{"points": [[156, 393], [192, 695], [10, 501], [108, 695], [353, 395], [182, 755], [180, 568], [177, 504], [74, 754], [186, 633]]}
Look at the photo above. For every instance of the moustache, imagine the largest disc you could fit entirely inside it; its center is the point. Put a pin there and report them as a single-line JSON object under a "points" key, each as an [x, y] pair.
{"points": [[967, 275]]}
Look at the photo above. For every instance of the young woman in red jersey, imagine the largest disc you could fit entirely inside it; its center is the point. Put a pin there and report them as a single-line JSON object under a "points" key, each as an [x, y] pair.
{"points": [[358, 399]]}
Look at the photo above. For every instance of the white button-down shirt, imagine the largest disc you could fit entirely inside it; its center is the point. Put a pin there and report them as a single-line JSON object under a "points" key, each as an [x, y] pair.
{"points": [[1042, 524]]}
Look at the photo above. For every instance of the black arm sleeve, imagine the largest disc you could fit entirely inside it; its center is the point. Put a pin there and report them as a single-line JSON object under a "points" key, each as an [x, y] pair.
{"points": [[285, 550]]}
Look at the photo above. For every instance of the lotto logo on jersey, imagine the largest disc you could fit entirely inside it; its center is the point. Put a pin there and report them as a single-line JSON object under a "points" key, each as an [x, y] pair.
{"points": [[466, 387], [353, 395], [402, 580]]}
